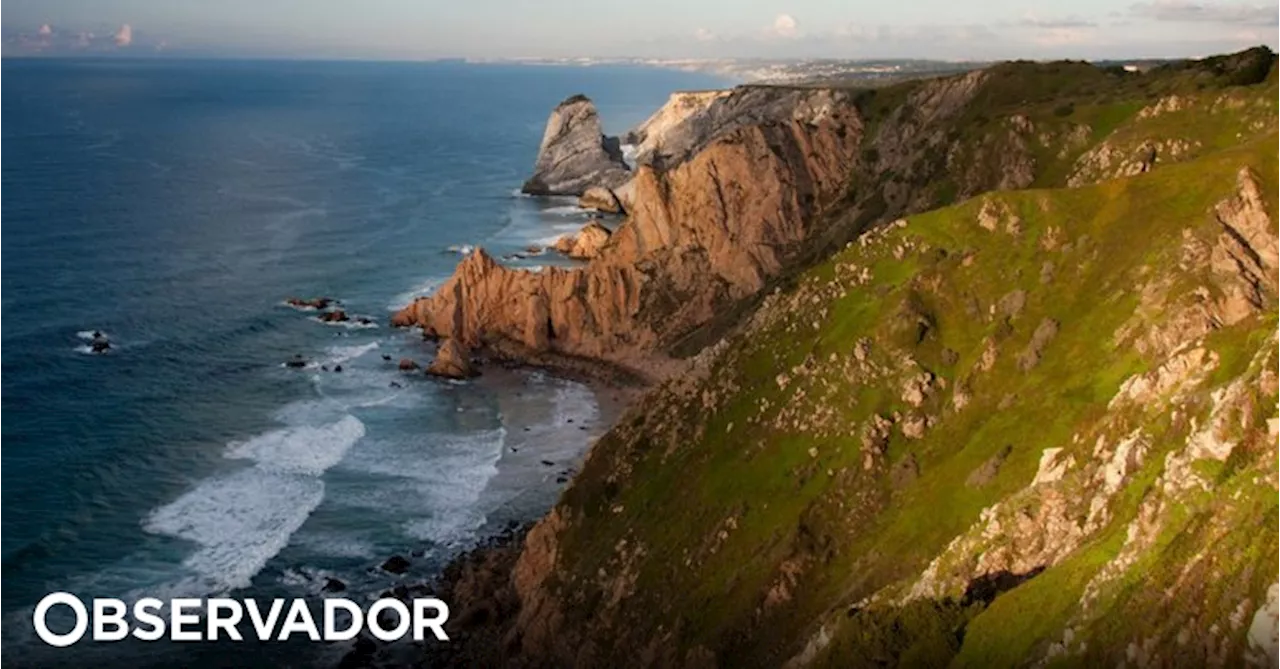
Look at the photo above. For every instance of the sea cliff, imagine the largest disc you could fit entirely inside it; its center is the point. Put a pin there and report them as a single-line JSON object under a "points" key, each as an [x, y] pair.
{"points": [[972, 371]]}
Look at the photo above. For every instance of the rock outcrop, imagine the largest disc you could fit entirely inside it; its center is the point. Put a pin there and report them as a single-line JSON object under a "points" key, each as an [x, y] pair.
{"points": [[602, 200], [575, 154], [649, 137], [691, 121], [700, 235], [585, 245], [452, 361]]}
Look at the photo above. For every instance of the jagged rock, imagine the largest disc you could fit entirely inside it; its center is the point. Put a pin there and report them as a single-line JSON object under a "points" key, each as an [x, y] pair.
{"points": [[589, 241], [407, 365], [575, 155], [333, 585], [585, 245], [619, 307], [602, 200], [335, 316], [676, 123], [452, 361], [914, 426], [565, 244]]}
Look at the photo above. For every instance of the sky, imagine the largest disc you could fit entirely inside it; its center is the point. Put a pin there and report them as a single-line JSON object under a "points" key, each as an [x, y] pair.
{"points": [[427, 29]]}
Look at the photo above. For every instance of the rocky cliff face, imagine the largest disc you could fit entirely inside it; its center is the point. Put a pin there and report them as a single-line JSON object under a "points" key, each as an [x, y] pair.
{"points": [[649, 137], [1000, 433], [697, 238], [575, 154]]}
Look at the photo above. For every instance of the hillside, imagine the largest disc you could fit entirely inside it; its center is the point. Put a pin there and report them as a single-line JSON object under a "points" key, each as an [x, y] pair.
{"points": [[1034, 427]]}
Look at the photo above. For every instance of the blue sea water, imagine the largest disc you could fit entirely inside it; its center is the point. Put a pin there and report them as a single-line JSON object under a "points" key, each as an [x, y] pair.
{"points": [[173, 206]]}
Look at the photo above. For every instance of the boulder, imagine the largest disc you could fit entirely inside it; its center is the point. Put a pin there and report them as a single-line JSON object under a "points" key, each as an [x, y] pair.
{"points": [[602, 200], [407, 365], [575, 155], [565, 244], [335, 316], [395, 565], [452, 361], [591, 238], [317, 303], [100, 345]]}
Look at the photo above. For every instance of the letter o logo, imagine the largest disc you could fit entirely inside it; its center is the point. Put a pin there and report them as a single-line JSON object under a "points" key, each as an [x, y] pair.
{"points": [[375, 625], [60, 640]]}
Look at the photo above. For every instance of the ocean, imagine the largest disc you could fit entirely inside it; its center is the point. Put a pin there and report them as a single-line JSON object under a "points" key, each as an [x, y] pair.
{"points": [[173, 206]]}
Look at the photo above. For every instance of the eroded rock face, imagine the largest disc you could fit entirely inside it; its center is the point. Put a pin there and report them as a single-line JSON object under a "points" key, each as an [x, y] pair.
{"points": [[452, 361], [700, 235], [650, 137], [575, 155], [690, 122], [602, 200], [589, 241]]}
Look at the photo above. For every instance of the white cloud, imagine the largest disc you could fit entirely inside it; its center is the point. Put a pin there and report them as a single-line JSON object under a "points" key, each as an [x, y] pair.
{"points": [[704, 35], [1194, 12], [785, 25], [45, 30], [124, 36]]}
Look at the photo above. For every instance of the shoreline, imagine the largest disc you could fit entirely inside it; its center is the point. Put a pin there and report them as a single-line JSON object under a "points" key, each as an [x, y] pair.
{"points": [[476, 578]]}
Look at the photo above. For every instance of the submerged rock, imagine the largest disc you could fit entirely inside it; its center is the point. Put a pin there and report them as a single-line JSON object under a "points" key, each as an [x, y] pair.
{"points": [[318, 303], [395, 564], [335, 316], [575, 155], [407, 365]]}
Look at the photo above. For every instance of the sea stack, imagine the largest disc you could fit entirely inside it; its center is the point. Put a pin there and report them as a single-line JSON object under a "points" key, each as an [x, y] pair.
{"points": [[575, 154]]}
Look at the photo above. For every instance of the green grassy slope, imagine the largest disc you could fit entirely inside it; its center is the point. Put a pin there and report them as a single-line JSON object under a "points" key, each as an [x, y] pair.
{"points": [[825, 489]]}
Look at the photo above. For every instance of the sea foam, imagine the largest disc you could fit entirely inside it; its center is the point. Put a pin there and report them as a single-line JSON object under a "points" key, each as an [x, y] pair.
{"points": [[238, 521], [300, 450], [241, 520]]}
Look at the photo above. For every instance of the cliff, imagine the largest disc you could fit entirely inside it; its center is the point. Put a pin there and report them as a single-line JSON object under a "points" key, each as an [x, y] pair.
{"points": [[763, 180], [575, 154], [1035, 427], [696, 239], [648, 138]]}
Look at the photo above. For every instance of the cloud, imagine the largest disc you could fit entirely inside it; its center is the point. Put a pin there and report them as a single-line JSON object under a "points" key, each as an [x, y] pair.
{"points": [[1030, 20], [124, 36], [45, 30], [1185, 11], [704, 35], [786, 25]]}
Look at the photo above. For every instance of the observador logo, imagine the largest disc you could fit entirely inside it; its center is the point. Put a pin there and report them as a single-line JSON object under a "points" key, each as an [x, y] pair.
{"points": [[217, 619]]}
